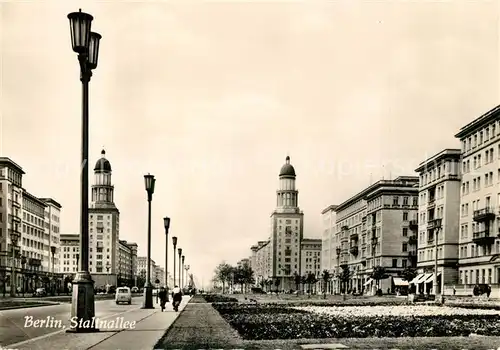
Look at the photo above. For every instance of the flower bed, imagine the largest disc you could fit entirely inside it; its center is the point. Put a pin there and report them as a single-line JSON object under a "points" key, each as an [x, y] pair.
{"points": [[215, 298], [266, 322]]}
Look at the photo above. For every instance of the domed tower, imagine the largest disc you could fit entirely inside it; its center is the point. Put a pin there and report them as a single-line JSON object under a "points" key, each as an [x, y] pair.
{"points": [[287, 222], [104, 227], [102, 189], [287, 196]]}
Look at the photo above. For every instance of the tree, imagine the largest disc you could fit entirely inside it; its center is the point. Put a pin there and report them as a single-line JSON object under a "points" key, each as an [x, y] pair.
{"points": [[223, 274], [297, 279], [310, 280], [303, 281], [344, 276], [325, 276], [378, 273], [409, 273], [277, 283], [3, 279]]}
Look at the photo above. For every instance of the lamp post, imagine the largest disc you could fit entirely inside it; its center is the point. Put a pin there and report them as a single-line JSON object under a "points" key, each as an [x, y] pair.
{"points": [[180, 253], [174, 243], [108, 266], [14, 237], [187, 275], [23, 263], [434, 282], [53, 251], [166, 223], [149, 181], [77, 261], [183, 281], [86, 44], [338, 267]]}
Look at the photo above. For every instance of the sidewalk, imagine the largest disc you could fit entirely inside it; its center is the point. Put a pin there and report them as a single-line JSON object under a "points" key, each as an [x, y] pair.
{"points": [[150, 327]]}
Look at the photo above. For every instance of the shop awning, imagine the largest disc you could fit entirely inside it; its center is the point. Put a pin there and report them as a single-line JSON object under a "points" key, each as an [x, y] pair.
{"points": [[416, 279], [368, 282], [399, 282], [429, 277]]}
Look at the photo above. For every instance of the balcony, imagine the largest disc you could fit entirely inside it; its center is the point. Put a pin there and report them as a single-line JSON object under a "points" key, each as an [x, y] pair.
{"points": [[354, 236], [354, 250], [434, 223], [483, 238], [412, 253], [484, 214], [413, 239], [413, 224], [344, 228]]}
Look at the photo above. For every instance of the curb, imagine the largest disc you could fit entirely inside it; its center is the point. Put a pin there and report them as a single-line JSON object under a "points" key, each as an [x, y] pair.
{"points": [[26, 306]]}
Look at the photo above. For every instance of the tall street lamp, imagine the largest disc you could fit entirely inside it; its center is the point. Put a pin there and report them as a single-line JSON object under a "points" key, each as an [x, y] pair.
{"points": [[23, 263], [174, 243], [182, 279], [86, 44], [337, 250], [14, 237], [166, 223], [187, 274], [53, 251], [149, 181], [180, 253]]}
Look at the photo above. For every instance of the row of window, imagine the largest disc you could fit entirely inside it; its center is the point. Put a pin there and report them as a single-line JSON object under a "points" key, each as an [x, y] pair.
{"points": [[488, 133]]}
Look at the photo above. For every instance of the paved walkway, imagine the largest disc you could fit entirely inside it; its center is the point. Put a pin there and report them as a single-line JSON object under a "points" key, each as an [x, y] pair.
{"points": [[202, 327], [150, 326]]}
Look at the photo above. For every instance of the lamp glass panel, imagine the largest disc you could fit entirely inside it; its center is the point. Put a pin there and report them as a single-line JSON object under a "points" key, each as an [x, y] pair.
{"points": [[94, 49]]}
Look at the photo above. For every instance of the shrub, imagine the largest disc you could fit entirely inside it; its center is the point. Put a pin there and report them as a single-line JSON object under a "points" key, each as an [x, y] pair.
{"points": [[216, 298]]}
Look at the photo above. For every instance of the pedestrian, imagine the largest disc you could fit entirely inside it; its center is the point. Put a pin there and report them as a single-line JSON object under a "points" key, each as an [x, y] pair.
{"points": [[176, 297], [163, 298]]}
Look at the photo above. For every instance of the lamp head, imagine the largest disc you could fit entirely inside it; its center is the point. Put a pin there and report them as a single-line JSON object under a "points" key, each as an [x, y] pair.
{"points": [[14, 237], [94, 49], [166, 223], [149, 181], [183, 257], [53, 250], [174, 241], [80, 23], [180, 251]]}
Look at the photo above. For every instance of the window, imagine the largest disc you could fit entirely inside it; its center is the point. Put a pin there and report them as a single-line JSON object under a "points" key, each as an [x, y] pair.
{"points": [[404, 247], [405, 200], [405, 231], [394, 262], [395, 200], [405, 216]]}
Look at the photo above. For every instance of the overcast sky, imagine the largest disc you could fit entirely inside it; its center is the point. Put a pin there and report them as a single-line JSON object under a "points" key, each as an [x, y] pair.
{"points": [[210, 97]]}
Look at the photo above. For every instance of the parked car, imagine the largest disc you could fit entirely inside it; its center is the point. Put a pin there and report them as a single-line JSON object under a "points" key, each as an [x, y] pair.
{"points": [[40, 292], [135, 290], [123, 295]]}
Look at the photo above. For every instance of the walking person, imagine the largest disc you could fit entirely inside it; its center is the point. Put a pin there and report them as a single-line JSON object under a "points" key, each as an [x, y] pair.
{"points": [[163, 298], [176, 297]]}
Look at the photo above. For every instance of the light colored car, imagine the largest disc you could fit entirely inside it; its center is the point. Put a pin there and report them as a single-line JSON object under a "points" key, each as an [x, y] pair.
{"points": [[40, 292], [135, 290], [123, 295]]}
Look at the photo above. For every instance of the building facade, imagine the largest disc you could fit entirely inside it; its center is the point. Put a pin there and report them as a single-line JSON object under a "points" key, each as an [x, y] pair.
{"points": [[127, 263], [310, 263], [328, 246], [142, 266], [373, 229], [159, 275], [438, 221], [479, 245], [29, 232], [70, 253]]}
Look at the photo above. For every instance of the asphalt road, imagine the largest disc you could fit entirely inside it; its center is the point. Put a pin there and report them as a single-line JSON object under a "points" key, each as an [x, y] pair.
{"points": [[14, 324]]}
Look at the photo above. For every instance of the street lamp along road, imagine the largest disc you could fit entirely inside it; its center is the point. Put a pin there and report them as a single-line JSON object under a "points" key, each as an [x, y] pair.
{"points": [[53, 251], [174, 243], [182, 279], [149, 181], [166, 223], [180, 253], [86, 44], [14, 237]]}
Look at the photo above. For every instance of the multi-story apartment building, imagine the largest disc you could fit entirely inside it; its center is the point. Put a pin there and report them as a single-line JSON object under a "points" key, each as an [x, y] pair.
{"points": [[479, 206], [142, 266], [127, 263], [159, 275], [243, 262], [438, 221], [311, 257], [52, 234], [328, 254], [29, 226], [372, 229], [104, 225], [70, 253], [263, 257]]}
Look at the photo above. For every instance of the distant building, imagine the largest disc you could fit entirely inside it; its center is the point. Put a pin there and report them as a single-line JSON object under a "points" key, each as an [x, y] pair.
{"points": [[70, 248], [127, 263], [328, 253], [142, 267]]}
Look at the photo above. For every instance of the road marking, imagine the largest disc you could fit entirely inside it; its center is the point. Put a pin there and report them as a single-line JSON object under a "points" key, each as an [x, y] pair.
{"points": [[323, 346], [63, 330]]}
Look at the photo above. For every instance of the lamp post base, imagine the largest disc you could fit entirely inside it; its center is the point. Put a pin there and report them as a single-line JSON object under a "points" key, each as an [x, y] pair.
{"points": [[148, 297], [82, 305]]}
